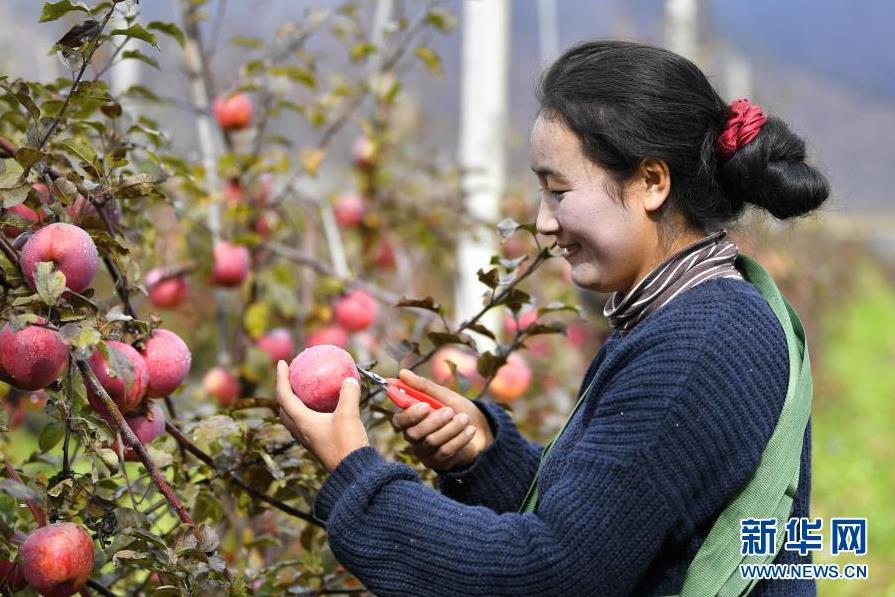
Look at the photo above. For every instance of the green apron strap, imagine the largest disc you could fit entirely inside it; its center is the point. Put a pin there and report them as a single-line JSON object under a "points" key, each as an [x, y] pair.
{"points": [[769, 493]]}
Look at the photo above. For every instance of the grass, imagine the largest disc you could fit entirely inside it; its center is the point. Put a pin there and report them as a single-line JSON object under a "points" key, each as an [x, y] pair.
{"points": [[853, 424]]}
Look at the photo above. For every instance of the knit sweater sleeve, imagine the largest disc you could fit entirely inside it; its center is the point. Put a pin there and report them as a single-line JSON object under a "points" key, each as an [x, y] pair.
{"points": [[600, 520], [501, 475]]}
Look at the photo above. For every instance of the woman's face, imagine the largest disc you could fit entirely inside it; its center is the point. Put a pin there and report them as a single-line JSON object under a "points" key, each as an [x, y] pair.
{"points": [[610, 247]]}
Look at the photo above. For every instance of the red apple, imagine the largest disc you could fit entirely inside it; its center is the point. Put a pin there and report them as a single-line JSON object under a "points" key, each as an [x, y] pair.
{"points": [[57, 559], [511, 380], [231, 264], [385, 254], [278, 344], [355, 311], [69, 248], [83, 213], [11, 578], [146, 426], [221, 384], [167, 293], [349, 210], [233, 112], [577, 333], [363, 152], [332, 334], [464, 360], [15, 416], [32, 358], [525, 320], [167, 360], [23, 211], [233, 192], [43, 193], [125, 379], [317, 373]]}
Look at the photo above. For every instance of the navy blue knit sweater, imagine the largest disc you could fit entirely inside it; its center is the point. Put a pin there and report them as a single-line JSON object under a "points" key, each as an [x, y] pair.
{"points": [[682, 408]]}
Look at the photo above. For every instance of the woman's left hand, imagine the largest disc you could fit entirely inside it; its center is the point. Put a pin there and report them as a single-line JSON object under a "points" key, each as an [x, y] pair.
{"points": [[328, 436]]}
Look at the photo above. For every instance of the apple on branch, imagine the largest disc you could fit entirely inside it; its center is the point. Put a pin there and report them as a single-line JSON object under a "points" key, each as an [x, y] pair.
{"points": [[222, 385], [125, 379], [355, 311], [167, 360], [166, 292], [231, 264], [233, 112], [69, 248], [57, 559]]}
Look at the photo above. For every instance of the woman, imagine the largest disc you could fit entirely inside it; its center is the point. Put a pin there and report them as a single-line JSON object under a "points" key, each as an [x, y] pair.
{"points": [[641, 165]]}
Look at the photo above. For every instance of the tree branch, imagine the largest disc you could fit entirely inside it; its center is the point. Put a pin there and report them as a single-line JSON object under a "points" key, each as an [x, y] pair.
{"points": [[193, 449]]}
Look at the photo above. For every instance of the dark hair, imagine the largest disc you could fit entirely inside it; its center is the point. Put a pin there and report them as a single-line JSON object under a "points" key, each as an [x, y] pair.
{"points": [[627, 102]]}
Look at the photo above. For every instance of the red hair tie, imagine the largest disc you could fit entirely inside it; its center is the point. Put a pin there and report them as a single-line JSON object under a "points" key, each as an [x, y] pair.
{"points": [[743, 124]]}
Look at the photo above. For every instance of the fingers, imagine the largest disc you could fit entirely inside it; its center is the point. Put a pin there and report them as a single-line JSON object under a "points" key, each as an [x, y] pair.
{"points": [[430, 424], [288, 423], [349, 399], [287, 400], [432, 442], [446, 456], [441, 393], [410, 417]]}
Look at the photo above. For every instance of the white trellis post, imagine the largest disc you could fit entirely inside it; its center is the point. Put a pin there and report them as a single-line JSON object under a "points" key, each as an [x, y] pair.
{"points": [[483, 115]]}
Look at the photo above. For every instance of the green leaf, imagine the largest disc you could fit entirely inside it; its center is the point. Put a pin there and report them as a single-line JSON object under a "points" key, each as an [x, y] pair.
{"points": [[50, 435], [490, 278], [83, 149], [295, 73], [28, 156], [477, 327], [245, 41], [169, 29], [256, 319], [56, 10], [21, 92], [14, 196], [66, 190], [441, 19], [50, 282], [361, 50], [137, 55], [137, 31], [136, 186], [427, 303], [441, 338], [141, 91], [431, 60]]}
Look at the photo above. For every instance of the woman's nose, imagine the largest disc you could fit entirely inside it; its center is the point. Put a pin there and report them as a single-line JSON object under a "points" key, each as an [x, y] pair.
{"points": [[546, 223]]}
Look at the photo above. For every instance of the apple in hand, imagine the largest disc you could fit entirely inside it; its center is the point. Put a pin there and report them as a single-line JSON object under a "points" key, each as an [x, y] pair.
{"points": [[166, 293], [32, 358], [168, 361], [57, 559], [317, 373], [221, 384], [233, 112], [278, 344], [69, 248], [355, 311], [231, 264], [125, 379]]}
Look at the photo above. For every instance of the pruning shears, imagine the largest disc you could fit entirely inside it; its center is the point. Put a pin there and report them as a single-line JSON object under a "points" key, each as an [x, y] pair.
{"points": [[399, 392]]}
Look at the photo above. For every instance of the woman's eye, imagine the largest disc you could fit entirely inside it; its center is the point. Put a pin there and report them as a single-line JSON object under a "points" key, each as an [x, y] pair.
{"points": [[553, 194]]}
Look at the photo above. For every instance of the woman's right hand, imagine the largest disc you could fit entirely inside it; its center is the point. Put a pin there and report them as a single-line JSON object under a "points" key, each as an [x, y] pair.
{"points": [[446, 438]]}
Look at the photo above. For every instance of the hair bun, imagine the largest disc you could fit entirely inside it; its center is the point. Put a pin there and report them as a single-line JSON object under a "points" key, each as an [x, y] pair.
{"points": [[771, 172]]}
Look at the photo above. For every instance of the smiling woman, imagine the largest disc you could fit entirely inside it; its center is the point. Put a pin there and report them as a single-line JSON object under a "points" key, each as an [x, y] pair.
{"points": [[694, 413]]}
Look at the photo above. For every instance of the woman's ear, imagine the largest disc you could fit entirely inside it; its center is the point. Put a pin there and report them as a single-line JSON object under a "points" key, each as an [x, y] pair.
{"points": [[654, 182]]}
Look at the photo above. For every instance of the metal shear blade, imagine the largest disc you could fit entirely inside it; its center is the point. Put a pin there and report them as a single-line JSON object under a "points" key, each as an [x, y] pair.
{"points": [[373, 377]]}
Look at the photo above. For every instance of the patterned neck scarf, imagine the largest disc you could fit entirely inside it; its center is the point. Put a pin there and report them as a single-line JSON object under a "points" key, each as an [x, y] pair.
{"points": [[702, 260]]}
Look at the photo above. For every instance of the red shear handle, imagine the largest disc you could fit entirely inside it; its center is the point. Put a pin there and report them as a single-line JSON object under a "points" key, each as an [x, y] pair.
{"points": [[405, 396]]}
